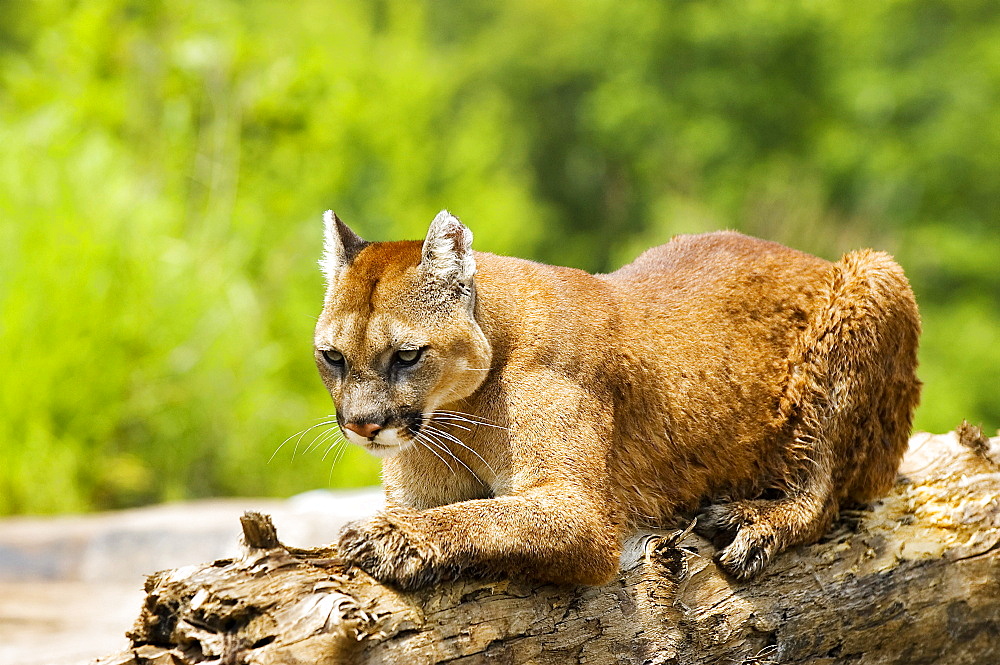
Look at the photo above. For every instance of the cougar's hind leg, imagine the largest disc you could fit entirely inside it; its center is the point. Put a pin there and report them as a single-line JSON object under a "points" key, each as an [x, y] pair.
{"points": [[848, 402], [751, 532]]}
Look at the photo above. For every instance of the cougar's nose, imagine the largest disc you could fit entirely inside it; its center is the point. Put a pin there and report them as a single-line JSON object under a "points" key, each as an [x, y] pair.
{"points": [[365, 429]]}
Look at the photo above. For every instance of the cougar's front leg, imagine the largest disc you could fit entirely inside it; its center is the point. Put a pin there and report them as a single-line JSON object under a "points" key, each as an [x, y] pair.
{"points": [[550, 533], [556, 525]]}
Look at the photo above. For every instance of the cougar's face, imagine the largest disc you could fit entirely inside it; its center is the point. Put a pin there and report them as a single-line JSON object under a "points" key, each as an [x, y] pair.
{"points": [[393, 344]]}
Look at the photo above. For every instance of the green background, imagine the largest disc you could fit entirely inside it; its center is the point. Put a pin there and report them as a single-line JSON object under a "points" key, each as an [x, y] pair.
{"points": [[164, 167]]}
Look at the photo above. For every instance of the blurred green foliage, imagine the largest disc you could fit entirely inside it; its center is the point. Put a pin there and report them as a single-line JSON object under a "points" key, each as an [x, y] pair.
{"points": [[164, 166]]}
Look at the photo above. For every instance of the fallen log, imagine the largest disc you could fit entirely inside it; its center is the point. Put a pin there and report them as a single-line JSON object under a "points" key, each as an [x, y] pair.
{"points": [[914, 578]]}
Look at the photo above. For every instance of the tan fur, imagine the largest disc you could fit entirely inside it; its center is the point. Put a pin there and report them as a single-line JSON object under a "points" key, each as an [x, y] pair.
{"points": [[716, 366]]}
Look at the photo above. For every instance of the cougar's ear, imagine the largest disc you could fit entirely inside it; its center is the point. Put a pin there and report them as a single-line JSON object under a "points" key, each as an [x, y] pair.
{"points": [[340, 245], [447, 253]]}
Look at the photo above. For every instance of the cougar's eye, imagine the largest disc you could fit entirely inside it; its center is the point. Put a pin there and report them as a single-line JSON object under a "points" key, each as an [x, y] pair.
{"points": [[407, 357], [335, 358]]}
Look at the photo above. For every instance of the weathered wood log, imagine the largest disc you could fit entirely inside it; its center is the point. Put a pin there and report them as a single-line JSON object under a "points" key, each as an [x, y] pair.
{"points": [[914, 578]]}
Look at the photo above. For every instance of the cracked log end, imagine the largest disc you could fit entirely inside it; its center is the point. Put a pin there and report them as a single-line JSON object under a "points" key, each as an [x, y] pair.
{"points": [[914, 578]]}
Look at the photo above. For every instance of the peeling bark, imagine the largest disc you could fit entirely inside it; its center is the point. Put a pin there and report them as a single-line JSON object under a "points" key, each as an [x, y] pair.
{"points": [[912, 579]]}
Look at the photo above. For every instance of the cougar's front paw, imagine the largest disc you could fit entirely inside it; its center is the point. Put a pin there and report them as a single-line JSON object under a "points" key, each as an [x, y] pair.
{"points": [[391, 550]]}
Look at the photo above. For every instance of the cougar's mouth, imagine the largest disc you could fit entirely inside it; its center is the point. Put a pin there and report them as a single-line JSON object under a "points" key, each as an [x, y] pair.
{"points": [[388, 442]]}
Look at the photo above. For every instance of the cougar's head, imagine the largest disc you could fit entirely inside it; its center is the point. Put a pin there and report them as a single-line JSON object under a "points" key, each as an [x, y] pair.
{"points": [[397, 337]]}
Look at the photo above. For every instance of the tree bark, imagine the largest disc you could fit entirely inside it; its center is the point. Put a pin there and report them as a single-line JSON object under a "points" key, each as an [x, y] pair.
{"points": [[914, 578]]}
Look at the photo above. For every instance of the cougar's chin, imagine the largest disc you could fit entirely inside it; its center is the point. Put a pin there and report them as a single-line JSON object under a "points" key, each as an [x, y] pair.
{"points": [[382, 451], [386, 443]]}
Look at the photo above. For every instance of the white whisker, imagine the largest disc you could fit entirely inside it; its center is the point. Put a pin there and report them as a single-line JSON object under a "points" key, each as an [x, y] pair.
{"points": [[469, 416], [295, 451], [455, 457], [317, 441], [331, 434], [452, 437], [340, 453], [331, 447], [422, 439], [300, 434], [452, 424], [449, 416]]}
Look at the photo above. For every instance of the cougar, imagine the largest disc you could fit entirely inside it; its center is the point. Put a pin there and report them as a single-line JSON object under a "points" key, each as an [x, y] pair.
{"points": [[529, 417]]}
